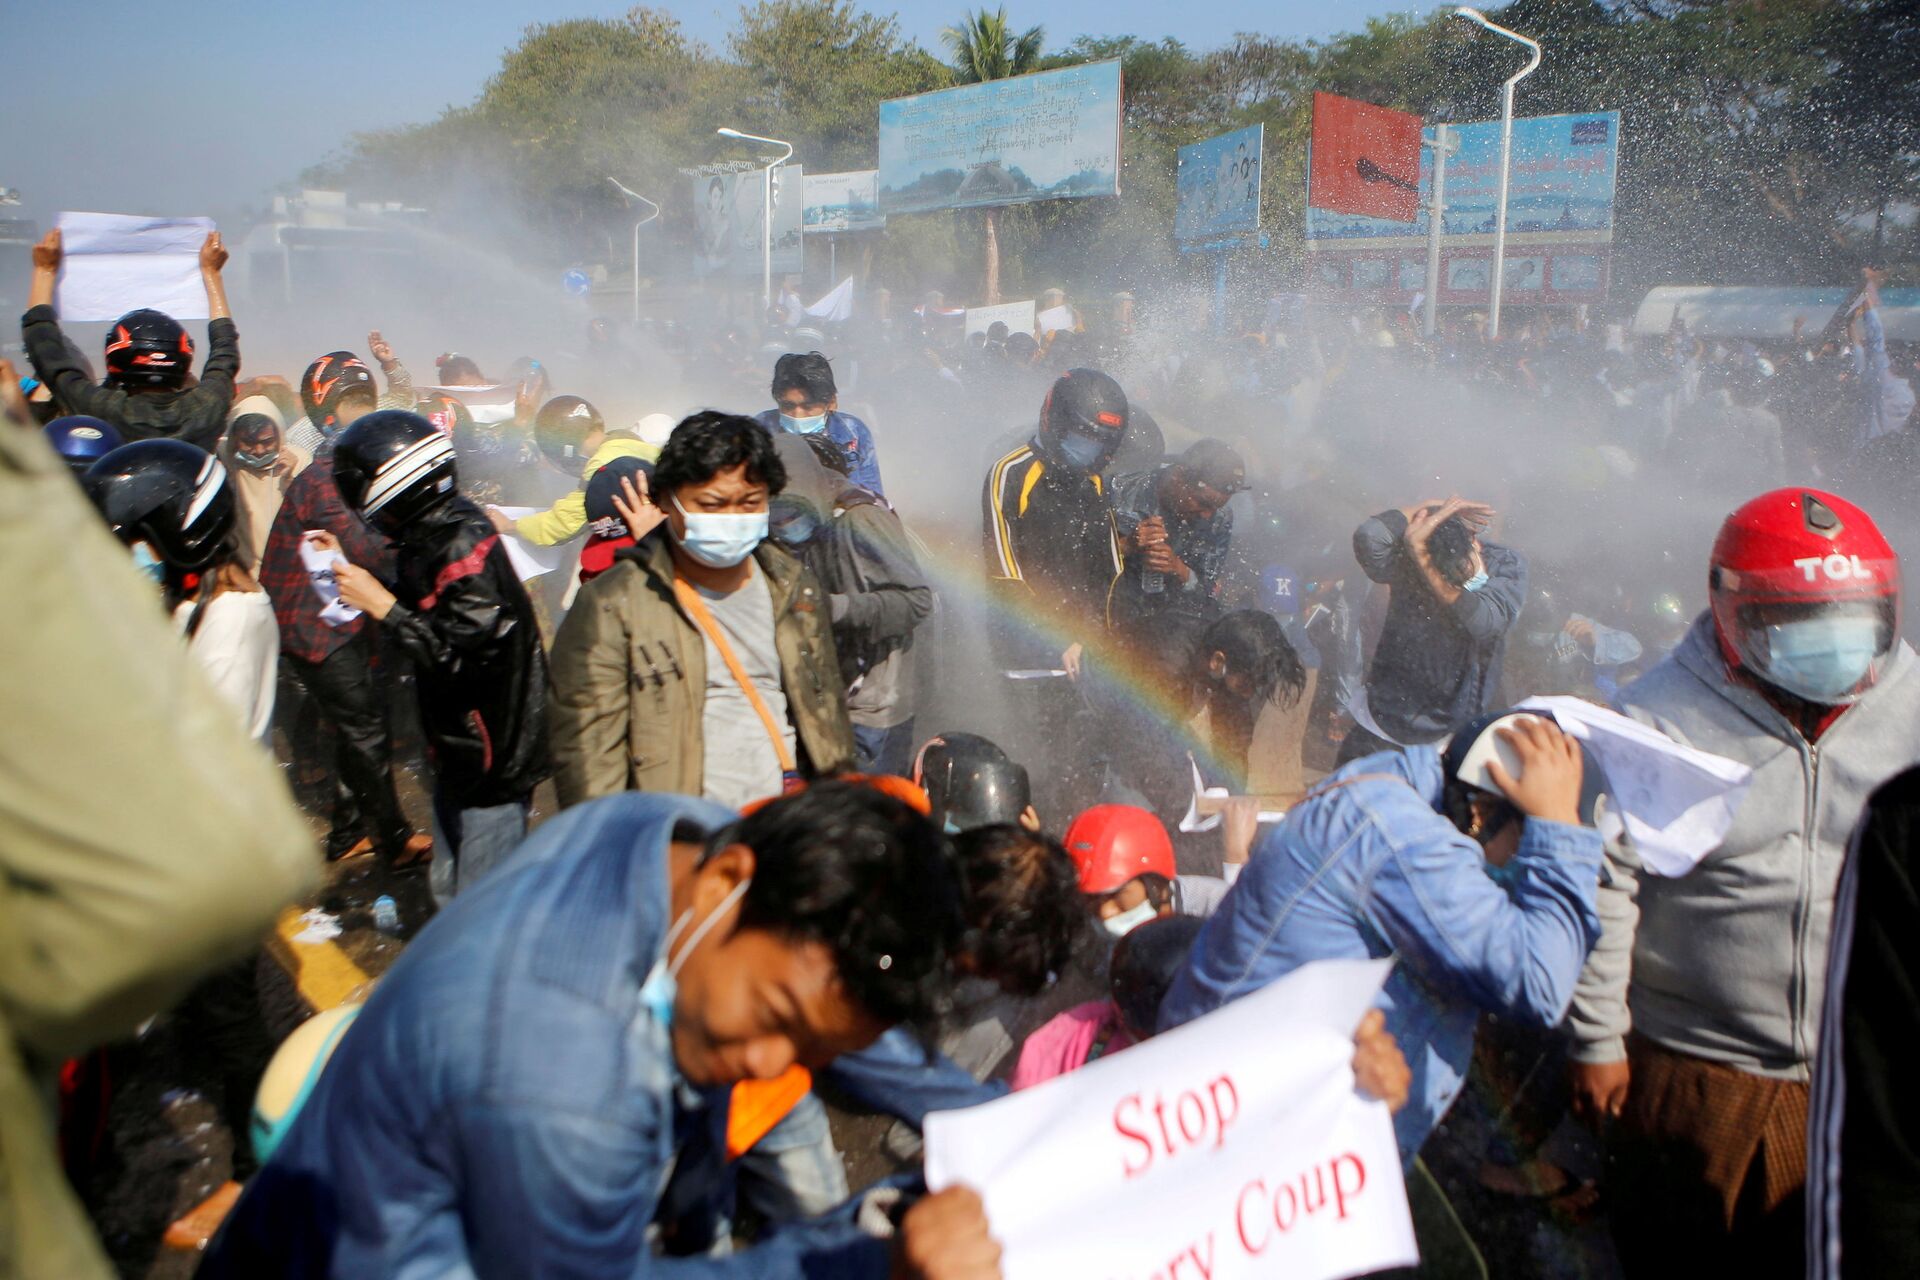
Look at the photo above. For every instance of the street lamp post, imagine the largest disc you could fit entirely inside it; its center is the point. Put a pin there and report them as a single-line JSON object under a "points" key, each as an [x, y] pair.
{"points": [[1506, 153], [637, 198], [766, 210], [1444, 144]]}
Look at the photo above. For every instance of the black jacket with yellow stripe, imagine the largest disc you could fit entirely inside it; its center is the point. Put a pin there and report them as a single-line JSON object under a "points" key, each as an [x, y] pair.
{"points": [[1052, 556]]}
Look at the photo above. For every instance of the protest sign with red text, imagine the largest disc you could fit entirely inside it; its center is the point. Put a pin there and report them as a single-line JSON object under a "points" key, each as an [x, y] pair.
{"points": [[1234, 1146]]}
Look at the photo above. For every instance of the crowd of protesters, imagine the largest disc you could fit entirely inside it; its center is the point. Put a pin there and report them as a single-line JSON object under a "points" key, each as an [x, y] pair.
{"points": [[777, 790]]}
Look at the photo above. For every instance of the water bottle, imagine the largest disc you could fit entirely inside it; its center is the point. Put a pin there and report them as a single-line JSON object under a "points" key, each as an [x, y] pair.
{"points": [[386, 914]]}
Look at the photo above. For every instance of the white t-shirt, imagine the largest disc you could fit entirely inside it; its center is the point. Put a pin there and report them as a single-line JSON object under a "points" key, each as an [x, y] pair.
{"points": [[238, 646], [740, 764]]}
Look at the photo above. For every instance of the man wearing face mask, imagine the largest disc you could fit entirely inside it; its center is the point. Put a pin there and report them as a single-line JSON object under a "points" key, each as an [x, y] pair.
{"points": [[330, 655], [807, 402], [1454, 599], [1697, 1019], [535, 1089], [1052, 550], [703, 661], [876, 593], [1476, 866], [263, 464]]}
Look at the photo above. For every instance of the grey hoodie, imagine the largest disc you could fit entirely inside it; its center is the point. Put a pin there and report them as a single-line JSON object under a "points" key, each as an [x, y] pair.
{"points": [[1728, 963]]}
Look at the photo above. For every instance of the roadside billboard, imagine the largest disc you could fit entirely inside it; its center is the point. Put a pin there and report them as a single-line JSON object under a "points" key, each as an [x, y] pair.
{"points": [[836, 202], [1053, 135], [1559, 220], [728, 213], [1219, 185], [1365, 159]]}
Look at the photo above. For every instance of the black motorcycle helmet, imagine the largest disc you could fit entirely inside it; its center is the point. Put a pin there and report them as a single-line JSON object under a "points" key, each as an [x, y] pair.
{"points": [[326, 382], [1464, 766], [561, 430], [1083, 421], [148, 348], [168, 494], [1144, 965], [82, 441], [970, 782], [392, 467]]}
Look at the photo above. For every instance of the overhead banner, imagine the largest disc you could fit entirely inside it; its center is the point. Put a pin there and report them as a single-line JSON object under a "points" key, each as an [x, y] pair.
{"points": [[1219, 185], [1235, 1146], [1559, 220], [1054, 135], [842, 202], [1364, 160], [729, 212]]}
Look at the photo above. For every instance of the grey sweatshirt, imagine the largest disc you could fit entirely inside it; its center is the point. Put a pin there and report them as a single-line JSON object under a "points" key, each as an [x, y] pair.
{"points": [[1728, 963]]}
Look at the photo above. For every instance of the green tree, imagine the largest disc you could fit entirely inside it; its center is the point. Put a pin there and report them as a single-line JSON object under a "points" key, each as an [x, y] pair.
{"points": [[985, 47]]}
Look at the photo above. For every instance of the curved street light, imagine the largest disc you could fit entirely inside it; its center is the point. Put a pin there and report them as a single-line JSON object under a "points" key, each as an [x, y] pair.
{"points": [[766, 209], [637, 198], [1506, 153]]}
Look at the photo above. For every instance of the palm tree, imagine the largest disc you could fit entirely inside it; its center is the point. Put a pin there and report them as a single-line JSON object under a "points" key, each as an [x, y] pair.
{"points": [[985, 47]]}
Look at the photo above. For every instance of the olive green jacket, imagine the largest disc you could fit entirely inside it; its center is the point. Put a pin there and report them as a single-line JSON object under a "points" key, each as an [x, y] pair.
{"points": [[628, 678], [144, 838]]}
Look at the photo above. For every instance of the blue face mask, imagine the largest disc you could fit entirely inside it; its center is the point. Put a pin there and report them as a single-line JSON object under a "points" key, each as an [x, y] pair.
{"points": [[1082, 452], [804, 426], [1476, 582], [721, 540], [1822, 659], [150, 566], [662, 986]]}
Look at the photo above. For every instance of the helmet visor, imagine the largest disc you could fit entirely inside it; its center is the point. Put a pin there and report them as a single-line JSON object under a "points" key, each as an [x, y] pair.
{"points": [[1825, 652]]}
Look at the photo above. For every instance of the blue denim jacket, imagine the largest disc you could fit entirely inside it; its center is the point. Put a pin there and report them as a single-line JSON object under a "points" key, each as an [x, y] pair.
{"points": [[506, 1105], [850, 434], [1370, 868]]}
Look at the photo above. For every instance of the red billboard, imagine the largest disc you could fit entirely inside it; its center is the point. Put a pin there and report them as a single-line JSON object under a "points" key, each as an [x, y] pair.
{"points": [[1365, 159]]}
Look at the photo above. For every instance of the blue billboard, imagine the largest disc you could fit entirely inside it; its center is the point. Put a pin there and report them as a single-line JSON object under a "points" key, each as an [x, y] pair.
{"points": [[1561, 190], [1219, 183], [1054, 135], [841, 202]]}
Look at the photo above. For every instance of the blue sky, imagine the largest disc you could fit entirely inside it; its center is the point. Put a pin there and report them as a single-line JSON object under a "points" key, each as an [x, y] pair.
{"points": [[196, 108]]}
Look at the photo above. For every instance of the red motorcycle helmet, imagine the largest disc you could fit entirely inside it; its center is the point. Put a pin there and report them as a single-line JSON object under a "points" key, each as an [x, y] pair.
{"points": [[1113, 843], [1795, 557]]}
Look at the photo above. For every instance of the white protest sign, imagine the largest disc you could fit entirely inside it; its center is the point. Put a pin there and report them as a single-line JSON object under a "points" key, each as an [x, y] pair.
{"points": [[1017, 316], [113, 263], [334, 611], [1677, 801], [1233, 1146], [486, 405], [835, 306], [1056, 318], [529, 559]]}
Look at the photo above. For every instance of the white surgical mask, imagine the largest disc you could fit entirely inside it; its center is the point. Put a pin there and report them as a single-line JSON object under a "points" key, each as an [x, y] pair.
{"points": [[1476, 582], [1822, 659], [662, 986], [804, 426], [1127, 921], [721, 540]]}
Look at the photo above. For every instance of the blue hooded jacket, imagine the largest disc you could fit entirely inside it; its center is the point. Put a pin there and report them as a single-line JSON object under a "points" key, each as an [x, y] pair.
{"points": [[1367, 867], [506, 1104]]}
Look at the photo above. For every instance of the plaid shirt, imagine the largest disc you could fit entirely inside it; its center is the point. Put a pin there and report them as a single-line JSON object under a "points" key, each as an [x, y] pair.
{"points": [[313, 502]]}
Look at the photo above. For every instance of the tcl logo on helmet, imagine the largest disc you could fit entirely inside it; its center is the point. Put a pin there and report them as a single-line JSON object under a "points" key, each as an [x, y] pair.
{"points": [[1836, 568]]}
